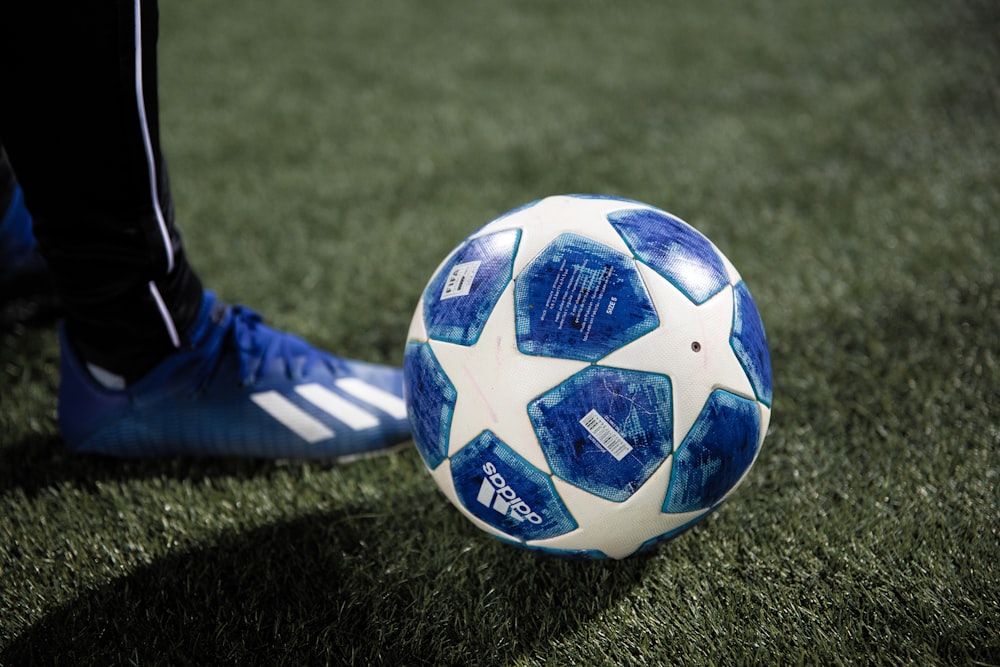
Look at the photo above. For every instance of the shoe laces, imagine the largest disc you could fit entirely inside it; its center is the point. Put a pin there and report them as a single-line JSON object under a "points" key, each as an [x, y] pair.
{"points": [[261, 346]]}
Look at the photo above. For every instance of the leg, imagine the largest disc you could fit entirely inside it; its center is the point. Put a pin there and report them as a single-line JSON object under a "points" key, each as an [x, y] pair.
{"points": [[86, 150]]}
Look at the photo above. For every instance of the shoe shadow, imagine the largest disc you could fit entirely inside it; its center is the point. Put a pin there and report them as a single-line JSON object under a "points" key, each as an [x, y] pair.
{"points": [[331, 588], [39, 462]]}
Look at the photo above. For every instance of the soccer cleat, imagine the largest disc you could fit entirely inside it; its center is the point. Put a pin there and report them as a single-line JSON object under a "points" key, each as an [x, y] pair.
{"points": [[242, 389], [22, 269]]}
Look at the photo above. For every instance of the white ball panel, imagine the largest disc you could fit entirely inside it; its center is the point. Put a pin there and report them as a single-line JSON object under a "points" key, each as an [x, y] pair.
{"points": [[668, 349], [549, 218], [496, 382], [734, 275], [417, 330], [618, 529]]}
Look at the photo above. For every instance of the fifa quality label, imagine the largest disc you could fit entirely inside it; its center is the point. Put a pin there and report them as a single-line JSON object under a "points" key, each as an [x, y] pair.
{"points": [[459, 281], [461, 296]]}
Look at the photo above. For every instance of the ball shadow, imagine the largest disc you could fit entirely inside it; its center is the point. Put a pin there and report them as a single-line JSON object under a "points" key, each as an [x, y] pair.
{"points": [[331, 588]]}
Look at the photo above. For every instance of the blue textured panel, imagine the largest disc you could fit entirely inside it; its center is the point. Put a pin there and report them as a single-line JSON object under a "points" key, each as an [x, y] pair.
{"points": [[461, 296], [580, 300], [750, 344], [606, 430], [430, 402], [717, 451], [500, 487], [674, 249]]}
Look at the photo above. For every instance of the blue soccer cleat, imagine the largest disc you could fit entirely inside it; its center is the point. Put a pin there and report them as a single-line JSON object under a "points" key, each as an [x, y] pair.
{"points": [[242, 389]]}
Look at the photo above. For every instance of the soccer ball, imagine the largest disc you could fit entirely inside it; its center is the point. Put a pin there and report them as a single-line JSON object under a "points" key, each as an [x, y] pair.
{"points": [[587, 376]]}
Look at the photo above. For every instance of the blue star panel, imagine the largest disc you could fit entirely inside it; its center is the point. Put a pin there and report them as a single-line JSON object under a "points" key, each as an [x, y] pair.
{"points": [[580, 299], [674, 249], [715, 454], [430, 402], [500, 487], [750, 344], [606, 430], [461, 296]]}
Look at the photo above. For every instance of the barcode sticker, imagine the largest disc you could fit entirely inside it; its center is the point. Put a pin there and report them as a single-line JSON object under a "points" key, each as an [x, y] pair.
{"points": [[606, 435], [460, 278]]}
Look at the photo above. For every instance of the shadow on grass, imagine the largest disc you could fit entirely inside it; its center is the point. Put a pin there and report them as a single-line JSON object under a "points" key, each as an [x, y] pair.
{"points": [[40, 462], [329, 589]]}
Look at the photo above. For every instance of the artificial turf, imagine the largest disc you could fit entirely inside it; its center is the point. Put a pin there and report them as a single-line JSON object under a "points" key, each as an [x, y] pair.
{"points": [[844, 155]]}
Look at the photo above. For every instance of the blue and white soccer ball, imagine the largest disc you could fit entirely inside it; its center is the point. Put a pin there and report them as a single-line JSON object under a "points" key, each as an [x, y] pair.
{"points": [[587, 376]]}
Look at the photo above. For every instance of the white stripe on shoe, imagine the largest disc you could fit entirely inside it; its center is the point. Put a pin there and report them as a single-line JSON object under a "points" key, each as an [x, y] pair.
{"points": [[295, 418], [356, 417], [381, 399], [353, 416]]}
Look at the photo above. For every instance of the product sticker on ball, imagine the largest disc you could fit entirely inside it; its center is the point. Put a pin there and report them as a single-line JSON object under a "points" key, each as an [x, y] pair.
{"points": [[606, 435], [460, 297], [459, 282], [626, 432]]}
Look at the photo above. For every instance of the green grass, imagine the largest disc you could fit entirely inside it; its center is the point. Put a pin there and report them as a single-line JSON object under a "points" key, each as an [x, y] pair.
{"points": [[844, 155]]}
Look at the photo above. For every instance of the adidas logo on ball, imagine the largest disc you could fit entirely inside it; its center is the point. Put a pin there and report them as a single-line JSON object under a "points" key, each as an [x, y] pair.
{"points": [[496, 493]]}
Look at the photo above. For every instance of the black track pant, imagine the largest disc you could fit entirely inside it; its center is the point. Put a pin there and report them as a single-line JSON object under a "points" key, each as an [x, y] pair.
{"points": [[79, 123]]}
